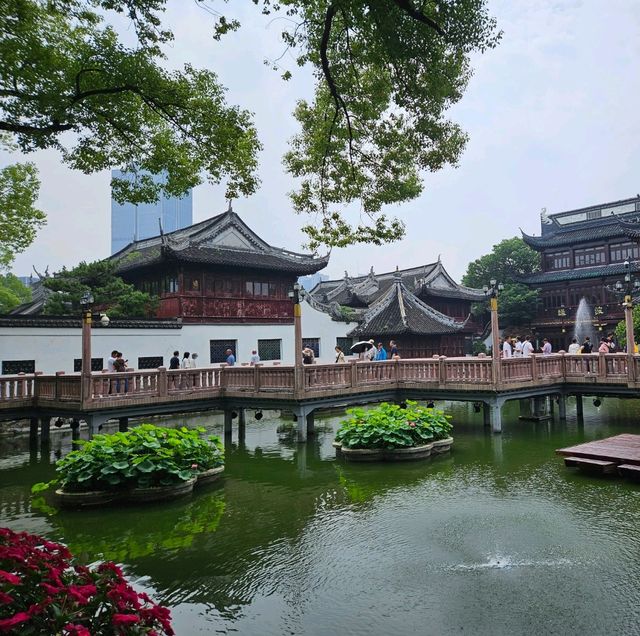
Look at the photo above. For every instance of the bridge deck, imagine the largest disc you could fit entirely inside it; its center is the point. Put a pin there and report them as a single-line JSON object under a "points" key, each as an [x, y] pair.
{"points": [[621, 449]]}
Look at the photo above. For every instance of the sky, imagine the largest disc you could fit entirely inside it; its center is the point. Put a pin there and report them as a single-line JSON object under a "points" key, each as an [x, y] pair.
{"points": [[551, 115]]}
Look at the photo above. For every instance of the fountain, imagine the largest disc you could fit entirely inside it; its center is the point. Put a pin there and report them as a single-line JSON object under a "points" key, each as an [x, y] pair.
{"points": [[584, 324]]}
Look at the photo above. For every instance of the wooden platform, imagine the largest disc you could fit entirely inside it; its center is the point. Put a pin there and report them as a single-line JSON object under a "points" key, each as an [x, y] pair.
{"points": [[618, 454]]}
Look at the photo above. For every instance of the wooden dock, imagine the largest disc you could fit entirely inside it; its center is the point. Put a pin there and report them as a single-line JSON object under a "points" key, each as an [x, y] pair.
{"points": [[619, 455]]}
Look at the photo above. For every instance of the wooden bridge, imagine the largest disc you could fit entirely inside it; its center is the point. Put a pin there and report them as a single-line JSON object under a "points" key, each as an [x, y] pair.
{"points": [[304, 390]]}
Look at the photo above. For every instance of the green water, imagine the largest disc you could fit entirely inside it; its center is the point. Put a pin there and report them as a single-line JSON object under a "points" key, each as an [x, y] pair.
{"points": [[497, 538]]}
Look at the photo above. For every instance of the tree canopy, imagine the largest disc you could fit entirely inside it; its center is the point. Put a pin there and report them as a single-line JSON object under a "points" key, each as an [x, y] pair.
{"points": [[12, 293], [110, 292], [386, 72], [507, 263]]}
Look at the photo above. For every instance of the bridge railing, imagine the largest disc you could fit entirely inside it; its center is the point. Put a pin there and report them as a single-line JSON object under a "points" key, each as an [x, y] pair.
{"points": [[18, 387]]}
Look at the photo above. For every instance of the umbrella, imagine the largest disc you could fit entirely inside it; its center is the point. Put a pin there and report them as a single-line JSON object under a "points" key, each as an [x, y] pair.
{"points": [[363, 345]]}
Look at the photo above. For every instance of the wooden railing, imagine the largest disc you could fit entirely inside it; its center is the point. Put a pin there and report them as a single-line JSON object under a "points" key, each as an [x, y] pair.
{"points": [[107, 390]]}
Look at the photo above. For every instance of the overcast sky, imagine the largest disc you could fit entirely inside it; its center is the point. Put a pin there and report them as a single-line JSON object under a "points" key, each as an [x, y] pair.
{"points": [[552, 115]]}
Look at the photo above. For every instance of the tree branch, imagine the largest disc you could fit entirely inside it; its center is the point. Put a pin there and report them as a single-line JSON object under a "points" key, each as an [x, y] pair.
{"points": [[412, 12], [56, 127]]}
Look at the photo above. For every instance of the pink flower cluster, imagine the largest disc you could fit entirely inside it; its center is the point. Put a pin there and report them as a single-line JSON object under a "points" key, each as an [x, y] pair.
{"points": [[44, 591]]}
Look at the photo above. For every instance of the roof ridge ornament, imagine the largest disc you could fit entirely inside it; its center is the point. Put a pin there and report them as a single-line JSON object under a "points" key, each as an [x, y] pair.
{"points": [[544, 217]]}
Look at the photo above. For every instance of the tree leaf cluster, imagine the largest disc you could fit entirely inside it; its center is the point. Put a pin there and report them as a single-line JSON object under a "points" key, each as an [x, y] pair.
{"points": [[110, 292], [12, 293]]}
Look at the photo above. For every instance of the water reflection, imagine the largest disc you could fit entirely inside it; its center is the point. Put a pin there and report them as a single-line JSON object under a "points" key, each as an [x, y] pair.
{"points": [[494, 538]]}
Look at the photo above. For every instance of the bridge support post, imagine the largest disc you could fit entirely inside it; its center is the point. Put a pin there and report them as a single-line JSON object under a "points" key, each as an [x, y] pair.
{"points": [[75, 429], [305, 422], [486, 414], [45, 429], [123, 424], [33, 431], [579, 408], [242, 424], [551, 405], [228, 421], [94, 424], [311, 423], [562, 407], [495, 415]]}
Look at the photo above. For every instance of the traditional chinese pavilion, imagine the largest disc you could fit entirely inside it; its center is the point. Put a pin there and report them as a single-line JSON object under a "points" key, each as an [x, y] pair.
{"points": [[216, 271], [422, 308], [583, 254]]}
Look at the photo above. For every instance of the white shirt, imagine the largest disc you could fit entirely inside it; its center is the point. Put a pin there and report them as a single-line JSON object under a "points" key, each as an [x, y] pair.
{"points": [[546, 349], [110, 361], [518, 352], [254, 359], [527, 349], [574, 348], [507, 352]]}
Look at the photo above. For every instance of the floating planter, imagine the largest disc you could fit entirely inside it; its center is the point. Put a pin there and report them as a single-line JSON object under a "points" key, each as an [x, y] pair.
{"points": [[393, 433], [148, 463]]}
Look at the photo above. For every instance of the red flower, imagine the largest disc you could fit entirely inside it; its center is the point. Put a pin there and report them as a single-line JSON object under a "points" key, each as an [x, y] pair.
{"points": [[124, 619], [5, 598], [11, 578], [75, 630], [16, 619], [51, 589]]}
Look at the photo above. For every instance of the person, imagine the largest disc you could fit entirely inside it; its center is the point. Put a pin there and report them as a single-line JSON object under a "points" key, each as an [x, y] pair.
{"points": [[381, 353], [110, 360], [339, 355], [574, 347], [507, 351], [393, 350], [255, 358], [587, 347], [517, 353], [308, 357], [370, 353], [194, 357], [527, 347], [186, 362], [546, 347], [174, 363], [231, 359], [611, 343], [120, 366], [604, 347]]}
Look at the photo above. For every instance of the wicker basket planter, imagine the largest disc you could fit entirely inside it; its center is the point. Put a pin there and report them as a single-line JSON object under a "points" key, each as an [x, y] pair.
{"points": [[85, 499], [162, 493], [443, 445], [209, 476]]}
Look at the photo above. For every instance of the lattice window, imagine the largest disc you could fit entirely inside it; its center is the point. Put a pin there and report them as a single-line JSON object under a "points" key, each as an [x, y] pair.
{"points": [[150, 362], [96, 364], [270, 349], [217, 349], [344, 344], [12, 367], [312, 343]]}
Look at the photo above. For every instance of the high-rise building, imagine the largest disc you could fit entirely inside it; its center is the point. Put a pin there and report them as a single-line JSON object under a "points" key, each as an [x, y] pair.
{"points": [[131, 222]]}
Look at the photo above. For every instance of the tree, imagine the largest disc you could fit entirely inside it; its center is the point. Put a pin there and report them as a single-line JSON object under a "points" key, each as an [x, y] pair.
{"points": [[508, 262], [386, 72], [12, 293], [110, 292], [621, 328]]}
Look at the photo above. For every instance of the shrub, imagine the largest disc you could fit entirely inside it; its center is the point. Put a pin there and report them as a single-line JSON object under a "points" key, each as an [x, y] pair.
{"points": [[391, 426], [43, 591], [143, 457]]}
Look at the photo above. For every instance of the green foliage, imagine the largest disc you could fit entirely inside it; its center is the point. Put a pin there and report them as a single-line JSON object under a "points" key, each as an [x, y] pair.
{"points": [[508, 261], [390, 426], [144, 457], [64, 69], [109, 291], [12, 293], [479, 347], [621, 328], [19, 219]]}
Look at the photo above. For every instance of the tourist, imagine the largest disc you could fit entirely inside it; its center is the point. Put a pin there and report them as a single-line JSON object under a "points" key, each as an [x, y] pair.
{"points": [[194, 357], [370, 353], [574, 347], [254, 359], [546, 347], [604, 347], [393, 350], [507, 350], [110, 360], [174, 363], [527, 347], [381, 353], [186, 362], [517, 350], [120, 366], [308, 356], [230, 358], [611, 343], [339, 355], [587, 347]]}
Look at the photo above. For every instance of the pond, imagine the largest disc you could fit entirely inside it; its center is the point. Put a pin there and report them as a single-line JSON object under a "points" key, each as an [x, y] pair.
{"points": [[496, 538]]}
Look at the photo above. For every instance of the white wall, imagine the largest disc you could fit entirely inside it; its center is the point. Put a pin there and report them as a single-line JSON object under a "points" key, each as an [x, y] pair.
{"points": [[54, 349]]}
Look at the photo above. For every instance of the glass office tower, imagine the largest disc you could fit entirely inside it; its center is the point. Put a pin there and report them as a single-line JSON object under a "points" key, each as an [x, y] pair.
{"points": [[131, 222]]}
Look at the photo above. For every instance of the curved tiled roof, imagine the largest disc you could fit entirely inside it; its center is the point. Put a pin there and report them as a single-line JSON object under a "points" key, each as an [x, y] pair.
{"points": [[221, 240], [599, 271], [76, 322], [398, 312]]}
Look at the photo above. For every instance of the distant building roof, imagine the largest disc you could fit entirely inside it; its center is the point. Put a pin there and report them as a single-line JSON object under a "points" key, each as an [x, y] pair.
{"points": [[593, 223], [399, 312], [221, 240], [76, 322], [599, 271]]}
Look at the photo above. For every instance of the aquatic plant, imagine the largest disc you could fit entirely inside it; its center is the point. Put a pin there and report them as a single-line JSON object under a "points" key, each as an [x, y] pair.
{"points": [[44, 591], [393, 426], [143, 457]]}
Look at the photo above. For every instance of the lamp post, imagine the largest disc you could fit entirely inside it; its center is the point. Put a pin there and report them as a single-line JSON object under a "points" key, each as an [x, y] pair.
{"points": [[294, 294], [630, 285], [562, 314], [86, 303], [492, 291]]}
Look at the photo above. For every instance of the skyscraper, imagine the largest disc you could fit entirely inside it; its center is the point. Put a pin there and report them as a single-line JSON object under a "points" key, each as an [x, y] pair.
{"points": [[130, 222]]}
